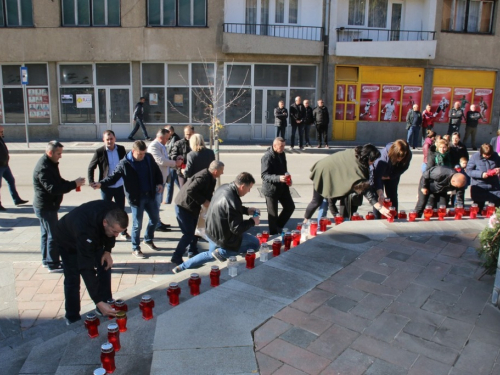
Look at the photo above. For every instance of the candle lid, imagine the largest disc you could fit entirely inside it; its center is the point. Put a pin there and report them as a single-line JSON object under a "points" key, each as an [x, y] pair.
{"points": [[113, 327], [146, 298], [107, 347], [265, 232], [259, 234], [99, 371], [288, 233], [91, 316], [250, 251], [402, 212], [233, 259], [276, 240], [173, 285], [314, 222], [121, 314], [111, 301], [215, 268], [119, 302], [195, 276]]}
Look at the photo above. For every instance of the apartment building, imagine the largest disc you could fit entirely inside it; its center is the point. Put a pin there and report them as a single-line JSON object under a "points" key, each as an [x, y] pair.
{"points": [[89, 61]]}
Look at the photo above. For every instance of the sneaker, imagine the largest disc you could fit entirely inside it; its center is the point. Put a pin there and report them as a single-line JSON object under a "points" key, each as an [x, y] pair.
{"points": [[291, 147], [55, 268], [148, 139], [162, 229], [192, 254], [138, 254], [218, 256], [177, 261], [176, 269], [125, 237], [165, 225], [20, 201], [151, 245], [44, 264], [71, 321], [131, 138]]}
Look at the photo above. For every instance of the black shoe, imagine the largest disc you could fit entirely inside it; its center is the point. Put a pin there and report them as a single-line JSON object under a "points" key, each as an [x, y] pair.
{"points": [[55, 268], [177, 261], [151, 245], [148, 139], [165, 225], [2, 208], [474, 148], [20, 201], [162, 229], [218, 256], [131, 138], [72, 320]]}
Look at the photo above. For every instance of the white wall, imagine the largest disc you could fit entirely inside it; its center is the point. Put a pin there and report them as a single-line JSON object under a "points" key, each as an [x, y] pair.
{"points": [[311, 13], [234, 11]]}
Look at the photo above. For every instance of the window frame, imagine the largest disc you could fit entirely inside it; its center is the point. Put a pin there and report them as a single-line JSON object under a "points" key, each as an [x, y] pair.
{"points": [[466, 19], [366, 19], [176, 15], [3, 5], [91, 14], [273, 5]]}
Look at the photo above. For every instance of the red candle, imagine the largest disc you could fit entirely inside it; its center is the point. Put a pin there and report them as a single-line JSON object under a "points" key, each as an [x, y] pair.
{"points": [[474, 209], [288, 179], [265, 235], [466, 211], [121, 320], [114, 336], [394, 214], [370, 216], [111, 302], [214, 276], [490, 210], [91, 323], [108, 357], [451, 212], [295, 238], [194, 284], [250, 257], [146, 306], [276, 247], [402, 215], [428, 212], [260, 238], [484, 212], [120, 305], [442, 212], [355, 217], [339, 219], [323, 223], [173, 293], [387, 203], [412, 215], [299, 227], [435, 212], [313, 228], [288, 241], [78, 189]]}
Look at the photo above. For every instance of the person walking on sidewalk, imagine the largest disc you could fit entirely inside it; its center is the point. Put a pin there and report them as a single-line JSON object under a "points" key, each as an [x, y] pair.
{"points": [[139, 120], [413, 122], [106, 158], [86, 237], [181, 148], [6, 173], [49, 189], [142, 180]]}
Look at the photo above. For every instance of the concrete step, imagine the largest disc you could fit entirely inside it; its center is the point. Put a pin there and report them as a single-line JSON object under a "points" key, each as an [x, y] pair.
{"points": [[12, 359]]}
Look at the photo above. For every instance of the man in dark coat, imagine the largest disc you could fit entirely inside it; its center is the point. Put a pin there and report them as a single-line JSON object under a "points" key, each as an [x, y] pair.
{"points": [[106, 158], [274, 186], [49, 190], [181, 148], [456, 114], [297, 114], [139, 120], [280, 116], [457, 149], [173, 171], [196, 192], [308, 121], [86, 237], [484, 169], [321, 120]]}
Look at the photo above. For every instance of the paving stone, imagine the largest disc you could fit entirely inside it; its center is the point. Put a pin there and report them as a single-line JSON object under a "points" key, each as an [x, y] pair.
{"points": [[386, 327], [375, 253], [312, 323], [269, 331], [462, 271], [418, 239], [401, 266], [450, 311], [453, 250], [312, 300], [76, 370], [421, 258], [438, 241], [390, 247], [473, 300], [450, 286], [333, 342], [373, 277], [444, 297], [490, 318], [299, 337], [370, 287], [374, 266], [371, 306], [452, 333], [341, 318], [429, 349], [348, 274], [485, 335], [349, 362], [496, 369], [427, 366], [295, 356], [288, 370], [384, 351], [267, 365], [477, 357], [402, 257], [380, 367], [422, 330], [341, 303], [400, 280], [415, 295], [417, 315], [342, 290]]}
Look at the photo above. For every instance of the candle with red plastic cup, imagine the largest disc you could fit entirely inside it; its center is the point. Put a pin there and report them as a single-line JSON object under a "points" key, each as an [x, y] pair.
{"points": [[299, 227], [295, 238], [370, 216], [428, 212], [111, 302], [78, 189], [260, 238], [265, 236], [466, 211], [173, 293], [402, 215], [120, 305], [323, 223], [435, 212], [441, 212], [393, 212], [108, 357], [313, 228], [339, 219], [387, 203], [355, 217], [491, 210], [451, 212], [412, 215], [114, 336], [474, 209], [288, 179], [250, 258], [484, 212], [146, 306], [288, 241], [92, 324], [276, 247], [194, 284], [214, 276], [121, 320]]}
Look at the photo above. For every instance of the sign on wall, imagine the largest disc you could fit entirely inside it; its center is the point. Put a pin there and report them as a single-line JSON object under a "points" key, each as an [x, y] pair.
{"points": [[83, 100], [391, 95], [38, 103], [440, 104], [483, 98], [464, 96], [411, 95], [369, 102]]}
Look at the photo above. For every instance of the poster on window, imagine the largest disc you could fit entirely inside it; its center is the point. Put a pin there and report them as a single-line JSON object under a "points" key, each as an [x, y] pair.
{"points": [[411, 95], [83, 100], [38, 103], [339, 111], [369, 102], [483, 99], [351, 93], [340, 93], [391, 95], [440, 104], [350, 113], [464, 96], [153, 99]]}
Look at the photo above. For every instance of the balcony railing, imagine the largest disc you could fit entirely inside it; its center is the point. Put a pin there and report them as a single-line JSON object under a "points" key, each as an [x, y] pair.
{"points": [[281, 31], [348, 34]]}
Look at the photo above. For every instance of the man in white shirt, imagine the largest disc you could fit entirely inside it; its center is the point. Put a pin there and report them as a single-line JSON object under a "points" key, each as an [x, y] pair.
{"points": [[389, 110]]}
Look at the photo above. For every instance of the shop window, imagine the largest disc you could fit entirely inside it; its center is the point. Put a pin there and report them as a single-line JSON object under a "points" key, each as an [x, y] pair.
{"points": [[238, 105], [293, 10], [154, 108], [238, 75], [303, 76], [202, 74], [178, 74], [71, 111], [466, 16], [153, 74], [177, 13], [304, 94], [76, 75], [16, 13], [271, 75], [113, 74], [377, 13], [90, 12], [178, 104]]}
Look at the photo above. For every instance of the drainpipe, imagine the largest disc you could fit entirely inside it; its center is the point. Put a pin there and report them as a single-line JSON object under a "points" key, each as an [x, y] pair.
{"points": [[326, 42]]}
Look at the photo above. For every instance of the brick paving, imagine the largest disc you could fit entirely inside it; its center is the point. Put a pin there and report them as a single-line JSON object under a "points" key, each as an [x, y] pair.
{"points": [[406, 306]]}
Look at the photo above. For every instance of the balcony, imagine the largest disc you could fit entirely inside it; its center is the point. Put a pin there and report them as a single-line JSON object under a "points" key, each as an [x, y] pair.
{"points": [[385, 43], [272, 39]]}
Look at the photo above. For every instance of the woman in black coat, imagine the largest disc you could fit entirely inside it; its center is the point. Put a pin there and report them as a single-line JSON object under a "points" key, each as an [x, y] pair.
{"points": [[200, 156], [483, 169]]}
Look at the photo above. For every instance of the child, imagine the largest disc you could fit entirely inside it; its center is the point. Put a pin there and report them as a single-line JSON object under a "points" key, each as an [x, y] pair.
{"points": [[461, 169]]}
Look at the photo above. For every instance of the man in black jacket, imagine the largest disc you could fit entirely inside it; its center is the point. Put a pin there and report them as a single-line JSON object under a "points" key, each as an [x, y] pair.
{"points": [[297, 114], [139, 120], [456, 114], [196, 192], [86, 237], [275, 187], [308, 121], [435, 184], [181, 148], [471, 122], [225, 225], [280, 116], [321, 120], [106, 158], [49, 190], [6, 173], [173, 172], [142, 179]]}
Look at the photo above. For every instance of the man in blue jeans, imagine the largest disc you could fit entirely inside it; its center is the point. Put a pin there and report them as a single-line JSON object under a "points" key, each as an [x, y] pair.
{"points": [[225, 224], [413, 122], [142, 180]]}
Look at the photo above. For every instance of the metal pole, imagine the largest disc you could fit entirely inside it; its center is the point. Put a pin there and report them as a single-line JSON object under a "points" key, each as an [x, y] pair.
{"points": [[25, 100]]}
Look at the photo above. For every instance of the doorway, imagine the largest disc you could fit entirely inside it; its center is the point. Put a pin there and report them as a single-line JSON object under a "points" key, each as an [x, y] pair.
{"points": [[397, 10], [114, 110], [265, 102]]}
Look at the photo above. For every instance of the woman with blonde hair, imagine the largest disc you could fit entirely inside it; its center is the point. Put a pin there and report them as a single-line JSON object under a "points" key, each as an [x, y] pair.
{"points": [[439, 154], [200, 156]]}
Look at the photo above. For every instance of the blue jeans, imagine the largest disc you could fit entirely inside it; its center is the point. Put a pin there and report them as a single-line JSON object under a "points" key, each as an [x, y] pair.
{"points": [[413, 135], [139, 123], [48, 246], [170, 185], [249, 242], [323, 209], [424, 167], [6, 173], [107, 194], [159, 199], [187, 222], [148, 204]]}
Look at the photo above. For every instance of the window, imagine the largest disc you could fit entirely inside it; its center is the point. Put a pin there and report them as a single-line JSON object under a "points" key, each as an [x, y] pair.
{"points": [[467, 16], [177, 13], [91, 12], [16, 13], [377, 13], [356, 16], [281, 10]]}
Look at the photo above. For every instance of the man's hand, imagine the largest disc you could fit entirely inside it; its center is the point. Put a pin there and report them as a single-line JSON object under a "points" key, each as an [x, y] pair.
{"points": [[424, 191], [385, 211], [251, 210], [106, 309], [106, 257], [159, 189], [256, 220], [283, 178], [95, 185], [80, 181]]}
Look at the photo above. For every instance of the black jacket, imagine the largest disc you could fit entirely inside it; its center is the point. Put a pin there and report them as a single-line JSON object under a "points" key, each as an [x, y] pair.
{"points": [[280, 116], [174, 138], [297, 112], [139, 111], [225, 224], [456, 116], [308, 117], [180, 148], [100, 159], [81, 232], [4, 153], [321, 117], [126, 170], [272, 166], [196, 191], [458, 152], [198, 161], [438, 180], [472, 119], [49, 185]]}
